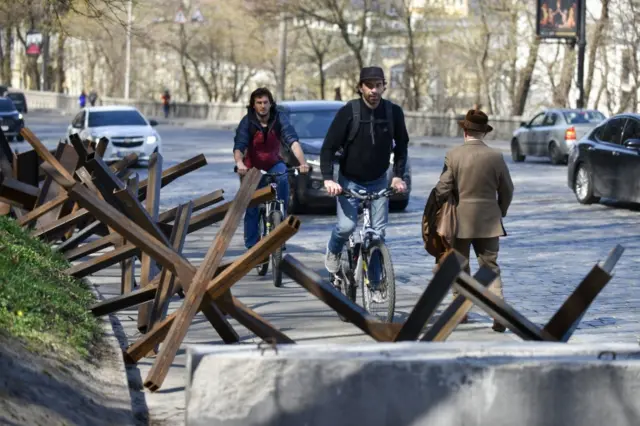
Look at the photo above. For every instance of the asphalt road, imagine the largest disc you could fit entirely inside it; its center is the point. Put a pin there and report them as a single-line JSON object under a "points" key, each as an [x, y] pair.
{"points": [[552, 244]]}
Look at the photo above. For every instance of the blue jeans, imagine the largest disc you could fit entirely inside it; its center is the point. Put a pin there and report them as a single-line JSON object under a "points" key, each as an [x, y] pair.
{"points": [[348, 219], [252, 214]]}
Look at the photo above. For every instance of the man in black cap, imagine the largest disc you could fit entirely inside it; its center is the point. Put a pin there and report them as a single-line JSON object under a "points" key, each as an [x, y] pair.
{"points": [[368, 130]]}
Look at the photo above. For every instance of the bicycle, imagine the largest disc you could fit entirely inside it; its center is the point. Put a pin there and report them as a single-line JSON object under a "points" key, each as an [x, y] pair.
{"points": [[356, 258], [270, 216]]}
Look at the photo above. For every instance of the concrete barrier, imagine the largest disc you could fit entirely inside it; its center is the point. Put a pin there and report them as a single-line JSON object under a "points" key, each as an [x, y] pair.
{"points": [[413, 383]]}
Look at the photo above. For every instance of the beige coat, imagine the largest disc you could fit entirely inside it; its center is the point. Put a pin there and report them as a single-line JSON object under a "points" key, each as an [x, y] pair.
{"points": [[481, 179]]}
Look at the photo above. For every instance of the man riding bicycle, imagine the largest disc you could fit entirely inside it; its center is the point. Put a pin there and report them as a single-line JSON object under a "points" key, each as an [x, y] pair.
{"points": [[366, 156], [257, 144]]}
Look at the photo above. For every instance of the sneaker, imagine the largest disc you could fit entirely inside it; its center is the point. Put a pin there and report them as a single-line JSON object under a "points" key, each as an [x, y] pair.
{"points": [[377, 297], [332, 262]]}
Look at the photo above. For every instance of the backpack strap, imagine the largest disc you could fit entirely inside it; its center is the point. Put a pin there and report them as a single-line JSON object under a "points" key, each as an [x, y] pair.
{"points": [[388, 109], [355, 120]]}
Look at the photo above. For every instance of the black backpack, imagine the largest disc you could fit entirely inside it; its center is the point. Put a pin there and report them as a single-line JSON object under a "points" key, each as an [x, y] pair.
{"points": [[356, 120]]}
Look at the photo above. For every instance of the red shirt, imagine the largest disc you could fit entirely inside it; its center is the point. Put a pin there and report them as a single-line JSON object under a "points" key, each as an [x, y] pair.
{"points": [[263, 154]]}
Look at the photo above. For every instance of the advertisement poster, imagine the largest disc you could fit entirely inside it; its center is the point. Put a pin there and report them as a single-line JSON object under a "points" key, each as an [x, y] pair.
{"points": [[558, 18]]}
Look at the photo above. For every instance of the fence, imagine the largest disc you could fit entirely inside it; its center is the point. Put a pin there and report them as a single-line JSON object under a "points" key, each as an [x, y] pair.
{"points": [[418, 123]]}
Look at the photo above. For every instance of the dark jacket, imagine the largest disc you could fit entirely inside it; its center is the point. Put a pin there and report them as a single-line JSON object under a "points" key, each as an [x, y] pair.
{"points": [[367, 157], [242, 139]]}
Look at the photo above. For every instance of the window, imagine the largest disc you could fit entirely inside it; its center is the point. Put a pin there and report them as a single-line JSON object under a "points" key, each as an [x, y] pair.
{"points": [[550, 119], [6, 105], [116, 118], [312, 124], [612, 131], [537, 120], [583, 117], [631, 130], [78, 121]]}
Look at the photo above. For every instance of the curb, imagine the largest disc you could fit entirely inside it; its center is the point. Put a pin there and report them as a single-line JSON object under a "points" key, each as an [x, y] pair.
{"points": [[114, 335], [452, 145]]}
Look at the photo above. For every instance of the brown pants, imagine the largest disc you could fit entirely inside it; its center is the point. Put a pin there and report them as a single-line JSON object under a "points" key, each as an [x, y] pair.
{"points": [[486, 250]]}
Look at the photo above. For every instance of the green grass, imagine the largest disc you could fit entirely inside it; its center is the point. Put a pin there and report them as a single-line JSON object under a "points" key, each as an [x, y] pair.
{"points": [[38, 302]]}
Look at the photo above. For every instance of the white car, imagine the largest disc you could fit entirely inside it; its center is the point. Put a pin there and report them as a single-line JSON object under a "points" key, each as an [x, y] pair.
{"points": [[126, 128]]}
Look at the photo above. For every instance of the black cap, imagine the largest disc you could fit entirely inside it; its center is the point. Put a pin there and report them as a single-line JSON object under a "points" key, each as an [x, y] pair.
{"points": [[371, 73]]}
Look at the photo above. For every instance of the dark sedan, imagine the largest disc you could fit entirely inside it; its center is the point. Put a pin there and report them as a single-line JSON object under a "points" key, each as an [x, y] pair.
{"points": [[11, 121], [312, 119], [605, 163]]}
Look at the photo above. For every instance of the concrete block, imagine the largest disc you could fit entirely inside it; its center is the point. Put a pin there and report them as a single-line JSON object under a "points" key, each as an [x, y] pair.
{"points": [[414, 383]]}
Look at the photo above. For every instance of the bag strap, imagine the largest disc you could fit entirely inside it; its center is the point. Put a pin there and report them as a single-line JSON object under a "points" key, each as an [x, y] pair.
{"points": [[355, 120], [388, 109]]}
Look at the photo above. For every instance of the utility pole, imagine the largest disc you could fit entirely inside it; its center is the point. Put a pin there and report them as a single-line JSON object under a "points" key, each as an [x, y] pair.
{"points": [[127, 71], [582, 44], [282, 57]]}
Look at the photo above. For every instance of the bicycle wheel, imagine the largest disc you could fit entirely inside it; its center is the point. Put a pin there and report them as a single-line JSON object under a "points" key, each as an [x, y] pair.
{"points": [[262, 231], [348, 266], [383, 309], [276, 256]]}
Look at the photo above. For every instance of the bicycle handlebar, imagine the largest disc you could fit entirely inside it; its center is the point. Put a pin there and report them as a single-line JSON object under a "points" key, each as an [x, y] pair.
{"points": [[290, 170], [370, 196]]}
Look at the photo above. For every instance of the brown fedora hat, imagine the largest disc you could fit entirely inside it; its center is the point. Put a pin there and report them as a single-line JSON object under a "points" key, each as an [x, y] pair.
{"points": [[476, 120]]}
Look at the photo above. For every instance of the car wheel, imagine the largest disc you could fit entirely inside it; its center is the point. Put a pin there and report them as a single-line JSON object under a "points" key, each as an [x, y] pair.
{"points": [[583, 186], [516, 152], [398, 205], [555, 155]]}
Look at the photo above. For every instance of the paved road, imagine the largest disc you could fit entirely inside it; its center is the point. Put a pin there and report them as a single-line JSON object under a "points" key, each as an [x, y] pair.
{"points": [[553, 242]]}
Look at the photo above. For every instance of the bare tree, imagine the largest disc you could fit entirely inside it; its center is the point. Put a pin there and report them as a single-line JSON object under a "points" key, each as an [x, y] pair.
{"points": [[595, 41]]}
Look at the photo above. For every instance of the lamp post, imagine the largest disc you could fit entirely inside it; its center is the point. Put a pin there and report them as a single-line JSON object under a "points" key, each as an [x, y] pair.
{"points": [[582, 44], [127, 71]]}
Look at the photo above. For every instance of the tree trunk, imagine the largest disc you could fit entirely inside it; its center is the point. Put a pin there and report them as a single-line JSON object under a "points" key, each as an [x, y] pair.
{"points": [[520, 100], [323, 77], [595, 42], [183, 63], [7, 49], [60, 75], [561, 94]]}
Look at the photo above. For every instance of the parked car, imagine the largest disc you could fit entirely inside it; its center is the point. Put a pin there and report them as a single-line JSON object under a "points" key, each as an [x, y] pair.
{"points": [[19, 100], [552, 133], [606, 162], [11, 120], [312, 119], [126, 128]]}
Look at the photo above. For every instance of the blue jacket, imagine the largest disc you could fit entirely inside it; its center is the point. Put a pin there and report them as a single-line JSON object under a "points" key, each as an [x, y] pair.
{"points": [[241, 141]]}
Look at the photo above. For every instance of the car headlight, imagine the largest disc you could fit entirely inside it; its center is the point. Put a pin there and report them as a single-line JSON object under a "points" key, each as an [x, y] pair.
{"points": [[20, 117], [152, 139]]}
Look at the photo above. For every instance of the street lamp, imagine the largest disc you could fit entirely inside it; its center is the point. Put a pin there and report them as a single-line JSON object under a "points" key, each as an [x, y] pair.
{"points": [[127, 72]]}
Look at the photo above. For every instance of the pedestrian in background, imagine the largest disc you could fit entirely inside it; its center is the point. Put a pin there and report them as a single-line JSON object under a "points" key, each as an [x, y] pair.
{"points": [[166, 99], [82, 100], [93, 97]]}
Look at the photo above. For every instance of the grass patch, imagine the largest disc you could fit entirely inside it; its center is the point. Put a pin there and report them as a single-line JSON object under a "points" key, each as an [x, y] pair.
{"points": [[38, 302]]}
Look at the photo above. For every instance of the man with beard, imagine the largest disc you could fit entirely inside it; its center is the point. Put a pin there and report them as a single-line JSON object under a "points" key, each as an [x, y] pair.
{"points": [[257, 144], [366, 154]]}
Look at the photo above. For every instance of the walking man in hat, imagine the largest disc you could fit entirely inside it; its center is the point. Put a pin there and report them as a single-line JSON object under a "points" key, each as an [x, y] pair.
{"points": [[479, 179], [368, 130]]}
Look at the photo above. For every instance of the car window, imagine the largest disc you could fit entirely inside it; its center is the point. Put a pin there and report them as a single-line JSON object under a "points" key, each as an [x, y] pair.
{"points": [[550, 119], [631, 130], [16, 97], [6, 105], [116, 118], [78, 120], [537, 120], [583, 117], [612, 131], [312, 124]]}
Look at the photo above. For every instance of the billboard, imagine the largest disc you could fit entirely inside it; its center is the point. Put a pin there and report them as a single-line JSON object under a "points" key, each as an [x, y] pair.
{"points": [[558, 18], [34, 43]]}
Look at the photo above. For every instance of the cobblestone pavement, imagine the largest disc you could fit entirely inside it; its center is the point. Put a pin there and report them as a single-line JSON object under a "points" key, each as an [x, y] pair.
{"points": [[552, 244]]}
